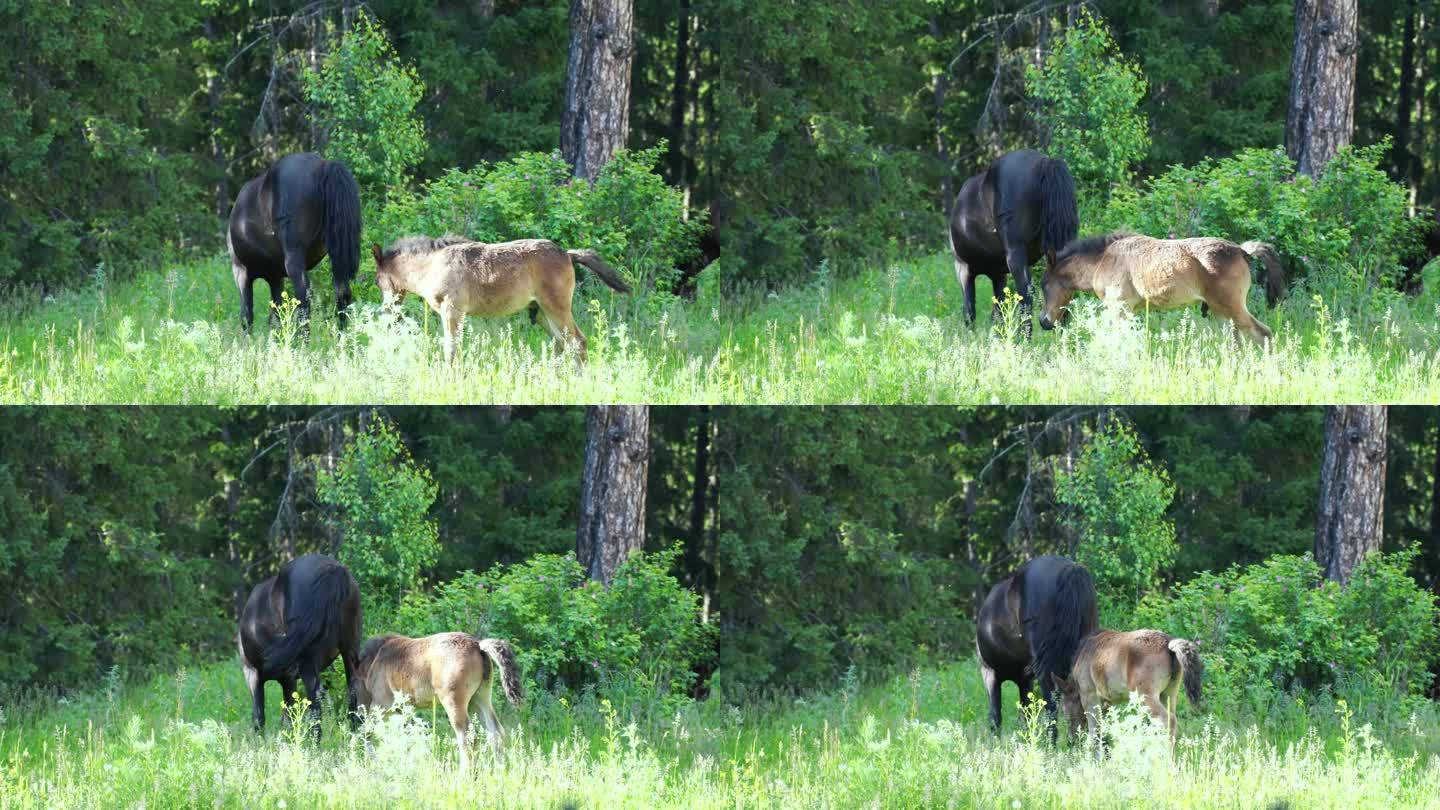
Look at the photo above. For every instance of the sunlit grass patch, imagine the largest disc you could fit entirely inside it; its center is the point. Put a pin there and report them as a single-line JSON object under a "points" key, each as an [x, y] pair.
{"points": [[886, 336]]}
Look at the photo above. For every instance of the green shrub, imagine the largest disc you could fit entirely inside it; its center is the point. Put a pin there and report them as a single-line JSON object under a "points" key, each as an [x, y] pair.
{"points": [[382, 499], [628, 215], [1279, 625], [571, 632], [1120, 498], [1344, 232], [1090, 96], [365, 101]]}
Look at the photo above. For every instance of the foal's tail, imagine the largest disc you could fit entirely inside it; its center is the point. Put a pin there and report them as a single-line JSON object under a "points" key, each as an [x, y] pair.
{"points": [[1274, 272], [311, 616], [1059, 222], [341, 196], [603, 271], [1187, 658], [501, 654]]}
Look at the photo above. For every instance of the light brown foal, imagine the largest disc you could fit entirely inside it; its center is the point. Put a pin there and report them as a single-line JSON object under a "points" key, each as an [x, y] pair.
{"points": [[451, 669], [1110, 665], [459, 277], [1146, 273]]}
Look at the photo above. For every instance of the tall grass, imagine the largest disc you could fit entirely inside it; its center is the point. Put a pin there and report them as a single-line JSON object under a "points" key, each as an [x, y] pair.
{"points": [[888, 336], [913, 741]]}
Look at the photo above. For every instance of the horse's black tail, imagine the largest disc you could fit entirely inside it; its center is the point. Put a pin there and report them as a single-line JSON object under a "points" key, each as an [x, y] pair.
{"points": [[1274, 271], [1059, 221], [341, 196], [1061, 632], [310, 614]]}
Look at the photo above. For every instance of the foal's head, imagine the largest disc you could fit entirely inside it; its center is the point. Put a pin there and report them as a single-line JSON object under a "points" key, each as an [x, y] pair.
{"points": [[1067, 692], [1062, 277], [394, 264]]}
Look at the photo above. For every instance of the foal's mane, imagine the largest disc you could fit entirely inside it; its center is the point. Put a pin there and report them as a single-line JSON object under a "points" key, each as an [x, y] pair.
{"points": [[422, 244], [1091, 246]]}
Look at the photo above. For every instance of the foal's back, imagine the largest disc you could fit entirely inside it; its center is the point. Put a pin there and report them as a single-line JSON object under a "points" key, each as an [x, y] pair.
{"points": [[428, 669], [1119, 663]]}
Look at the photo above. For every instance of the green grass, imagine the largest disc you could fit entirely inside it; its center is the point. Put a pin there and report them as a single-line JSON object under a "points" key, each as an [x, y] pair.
{"points": [[885, 336], [914, 741]]}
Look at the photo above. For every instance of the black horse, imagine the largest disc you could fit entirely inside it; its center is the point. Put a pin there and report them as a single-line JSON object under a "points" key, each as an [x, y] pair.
{"points": [[1008, 216], [285, 221], [1030, 627], [295, 624]]}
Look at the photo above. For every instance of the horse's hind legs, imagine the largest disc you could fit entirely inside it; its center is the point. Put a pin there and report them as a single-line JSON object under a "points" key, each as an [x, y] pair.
{"points": [[967, 290], [992, 688], [247, 297], [459, 713], [563, 328], [257, 697]]}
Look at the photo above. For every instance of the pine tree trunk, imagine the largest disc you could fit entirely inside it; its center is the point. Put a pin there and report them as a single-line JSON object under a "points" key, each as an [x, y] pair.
{"points": [[1404, 161], [1350, 520], [1321, 116], [596, 117], [679, 96], [612, 487]]}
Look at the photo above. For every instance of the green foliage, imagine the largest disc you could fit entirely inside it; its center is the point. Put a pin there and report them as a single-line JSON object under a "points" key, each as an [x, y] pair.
{"points": [[572, 633], [1091, 96], [365, 100], [1279, 625], [628, 215], [382, 500], [95, 161], [1120, 499], [1344, 232]]}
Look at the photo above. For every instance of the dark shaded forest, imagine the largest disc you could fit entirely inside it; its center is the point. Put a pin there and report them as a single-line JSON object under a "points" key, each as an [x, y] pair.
{"points": [[816, 538], [802, 131]]}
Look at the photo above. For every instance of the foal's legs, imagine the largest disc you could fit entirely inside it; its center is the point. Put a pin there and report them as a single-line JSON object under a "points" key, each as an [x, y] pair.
{"points": [[457, 708], [561, 325], [453, 321], [1229, 303], [1160, 712], [494, 732]]}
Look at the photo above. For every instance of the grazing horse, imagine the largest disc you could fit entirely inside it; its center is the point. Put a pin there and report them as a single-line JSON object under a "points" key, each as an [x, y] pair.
{"points": [[1008, 216], [295, 624], [458, 277], [1110, 665], [285, 221], [1146, 273], [1030, 626], [452, 669]]}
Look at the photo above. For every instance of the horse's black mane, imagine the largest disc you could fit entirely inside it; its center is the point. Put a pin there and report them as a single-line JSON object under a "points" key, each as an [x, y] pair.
{"points": [[373, 645], [1090, 246], [422, 244]]}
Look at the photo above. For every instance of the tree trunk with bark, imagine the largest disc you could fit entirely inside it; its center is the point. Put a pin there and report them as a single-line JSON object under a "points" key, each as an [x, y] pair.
{"points": [[1321, 116], [612, 487], [596, 116], [1350, 520]]}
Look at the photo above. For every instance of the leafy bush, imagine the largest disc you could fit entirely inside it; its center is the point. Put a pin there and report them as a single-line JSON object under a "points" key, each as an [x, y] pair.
{"points": [[1348, 228], [571, 632], [628, 215], [365, 101], [1120, 500], [382, 499], [1091, 97], [1280, 625]]}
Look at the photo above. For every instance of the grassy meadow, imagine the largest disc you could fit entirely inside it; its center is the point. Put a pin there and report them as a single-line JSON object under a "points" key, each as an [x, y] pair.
{"points": [[918, 740], [883, 336]]}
